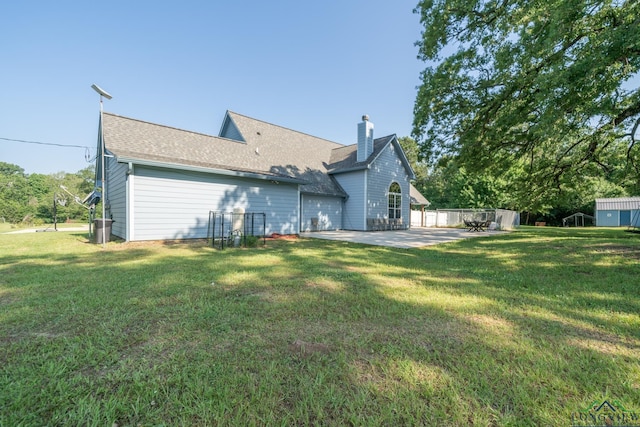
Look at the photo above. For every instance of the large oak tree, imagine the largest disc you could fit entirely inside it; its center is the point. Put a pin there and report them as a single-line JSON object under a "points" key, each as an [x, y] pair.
{"points": [[544, 87]]}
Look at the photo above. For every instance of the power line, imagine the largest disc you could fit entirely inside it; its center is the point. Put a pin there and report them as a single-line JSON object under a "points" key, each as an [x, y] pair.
{"points": [[44, 143], [87, 150]]}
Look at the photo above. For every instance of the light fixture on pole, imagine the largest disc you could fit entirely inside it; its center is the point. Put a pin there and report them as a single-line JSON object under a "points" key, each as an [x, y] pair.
{"points": [[102, 94], [101, 91]]}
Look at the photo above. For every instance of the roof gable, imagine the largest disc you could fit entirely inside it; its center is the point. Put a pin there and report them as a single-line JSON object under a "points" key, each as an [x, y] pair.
{"points": [[344, 159], [230, 130], [403, 157]]}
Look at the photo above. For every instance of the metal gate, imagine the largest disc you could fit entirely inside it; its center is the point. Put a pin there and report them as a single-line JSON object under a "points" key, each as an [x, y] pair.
{"points": [[236, 229]]}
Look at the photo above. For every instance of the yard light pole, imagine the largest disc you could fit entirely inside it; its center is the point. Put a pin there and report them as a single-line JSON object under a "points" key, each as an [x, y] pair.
{"points": [[102, 94]]}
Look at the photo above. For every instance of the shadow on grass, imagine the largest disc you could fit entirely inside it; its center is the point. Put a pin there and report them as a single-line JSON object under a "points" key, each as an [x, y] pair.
{"points": [[523, 329]]}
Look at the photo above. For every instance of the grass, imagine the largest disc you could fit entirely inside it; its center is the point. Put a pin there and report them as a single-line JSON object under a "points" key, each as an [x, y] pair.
{"points": [[519, 329], [6, 227]]}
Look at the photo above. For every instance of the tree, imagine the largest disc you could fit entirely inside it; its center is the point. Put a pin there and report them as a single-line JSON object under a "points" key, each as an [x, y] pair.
{"points": [[412, 151], [80, 184], [9, 169], [85, 180], [32, 196], [14, 193], [450, 186], [539, 89]]}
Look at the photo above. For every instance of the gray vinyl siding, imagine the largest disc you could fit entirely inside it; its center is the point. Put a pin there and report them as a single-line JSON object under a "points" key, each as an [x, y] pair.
{"points": [[173, 204], [353, 214], [117, 196], [230, 131], [327, 210], [385, 170]]}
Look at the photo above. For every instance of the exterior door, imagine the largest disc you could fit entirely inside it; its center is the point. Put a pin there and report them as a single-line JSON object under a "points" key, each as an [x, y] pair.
{"points": [[625, 218]]}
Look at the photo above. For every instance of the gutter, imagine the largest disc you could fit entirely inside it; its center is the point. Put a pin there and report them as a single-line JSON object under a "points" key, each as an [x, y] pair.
{"points": [[216, 171], [351, 169]]}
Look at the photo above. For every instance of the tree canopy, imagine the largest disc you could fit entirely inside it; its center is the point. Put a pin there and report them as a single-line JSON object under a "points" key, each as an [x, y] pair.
{"points": [[29, 198], [539, 89]]}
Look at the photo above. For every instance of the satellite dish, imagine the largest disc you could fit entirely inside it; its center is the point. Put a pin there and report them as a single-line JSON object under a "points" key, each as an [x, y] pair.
{"points": [[92, 198]]}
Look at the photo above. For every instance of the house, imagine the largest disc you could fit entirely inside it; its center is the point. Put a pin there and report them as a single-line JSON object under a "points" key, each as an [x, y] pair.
{"points": [[619, 212], [162, 182]]}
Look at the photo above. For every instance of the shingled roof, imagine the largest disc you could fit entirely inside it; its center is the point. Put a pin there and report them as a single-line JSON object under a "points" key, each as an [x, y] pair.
{"points": [[346, 158], [245, 146], [284, 151], [139, 141], [416, 197]]}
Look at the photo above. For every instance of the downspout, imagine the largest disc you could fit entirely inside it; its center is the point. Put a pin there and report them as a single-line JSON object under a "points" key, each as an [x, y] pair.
{"points": [[366, 199], [343, 225], [129, 189], [300, 205]]}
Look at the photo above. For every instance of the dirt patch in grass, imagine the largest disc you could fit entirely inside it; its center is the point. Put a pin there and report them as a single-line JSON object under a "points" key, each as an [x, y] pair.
{"points": [[306, 349], [603, 342], [277, 236], [622, 250], [158, 243], [187, 243], [30, 336], [609, 346], [492, 324], [6, 299]]}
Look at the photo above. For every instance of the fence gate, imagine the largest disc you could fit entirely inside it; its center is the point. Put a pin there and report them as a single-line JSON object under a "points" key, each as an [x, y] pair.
{"points": [[237, 228]]}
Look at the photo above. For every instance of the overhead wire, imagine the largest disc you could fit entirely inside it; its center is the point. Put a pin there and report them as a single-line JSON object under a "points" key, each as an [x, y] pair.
{"points": [[87, 152]]}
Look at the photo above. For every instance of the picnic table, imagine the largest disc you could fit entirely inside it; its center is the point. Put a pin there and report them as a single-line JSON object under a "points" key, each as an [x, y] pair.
{"points": [[474, 225]]}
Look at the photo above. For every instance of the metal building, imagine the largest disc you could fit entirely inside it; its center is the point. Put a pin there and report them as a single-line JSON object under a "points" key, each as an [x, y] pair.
{"points": [[619, 212]]}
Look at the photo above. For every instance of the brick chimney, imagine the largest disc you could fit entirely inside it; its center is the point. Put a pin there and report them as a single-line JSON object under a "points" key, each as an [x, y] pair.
{"points": [[365, 139]]}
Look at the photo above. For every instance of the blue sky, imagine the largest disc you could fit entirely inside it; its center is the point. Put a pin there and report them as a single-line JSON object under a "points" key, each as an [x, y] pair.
{"points": [[315, 67]]}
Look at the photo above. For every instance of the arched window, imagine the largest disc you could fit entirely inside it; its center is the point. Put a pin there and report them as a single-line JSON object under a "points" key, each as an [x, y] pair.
{"points": [[395, 201]]}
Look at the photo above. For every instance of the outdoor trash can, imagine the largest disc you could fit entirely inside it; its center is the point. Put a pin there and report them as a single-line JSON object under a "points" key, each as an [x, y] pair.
{"points": [[99, 223]]}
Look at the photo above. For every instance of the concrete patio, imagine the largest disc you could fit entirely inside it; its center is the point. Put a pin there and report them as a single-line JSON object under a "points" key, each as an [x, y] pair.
{"points": [[413, 238]]}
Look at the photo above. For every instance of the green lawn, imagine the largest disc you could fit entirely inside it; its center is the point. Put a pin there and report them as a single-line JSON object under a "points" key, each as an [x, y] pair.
{"points": [[519, 329], [6, 227]]}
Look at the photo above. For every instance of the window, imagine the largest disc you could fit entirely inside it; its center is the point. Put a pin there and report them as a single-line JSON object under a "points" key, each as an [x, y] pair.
{"points": [[395, 201]]}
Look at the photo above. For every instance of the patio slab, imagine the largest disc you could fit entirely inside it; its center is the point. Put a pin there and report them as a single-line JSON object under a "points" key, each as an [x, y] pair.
{"points": [[413, 238]]}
